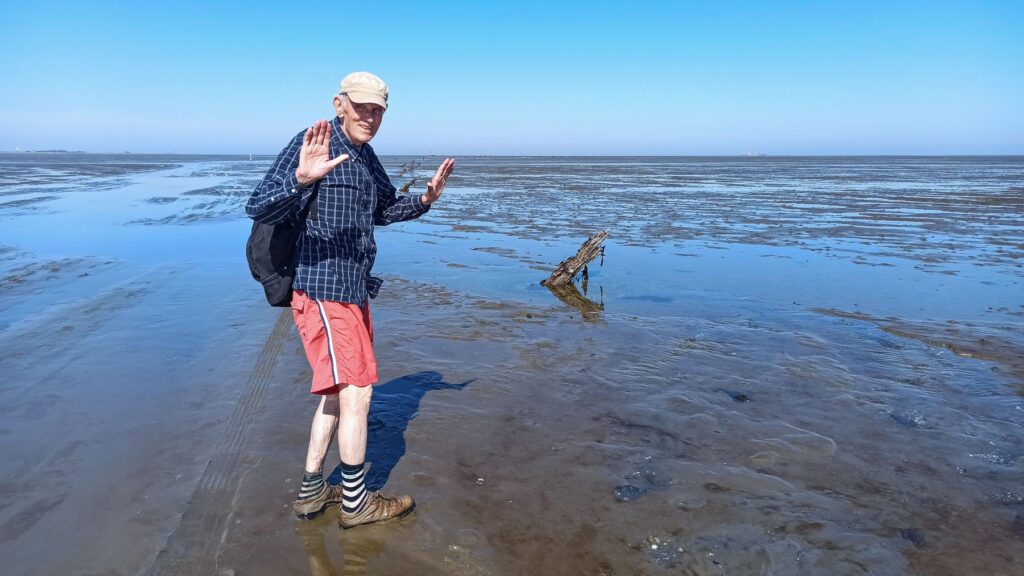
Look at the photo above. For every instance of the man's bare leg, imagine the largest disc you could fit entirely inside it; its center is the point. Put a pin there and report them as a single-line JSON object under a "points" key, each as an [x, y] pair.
{"points": [[325, 421], [315, 494], [357, 505], [355, 408]]}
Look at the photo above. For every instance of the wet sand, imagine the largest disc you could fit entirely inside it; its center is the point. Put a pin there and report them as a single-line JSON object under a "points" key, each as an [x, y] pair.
{"points": [[753, 397], [524, 446]]}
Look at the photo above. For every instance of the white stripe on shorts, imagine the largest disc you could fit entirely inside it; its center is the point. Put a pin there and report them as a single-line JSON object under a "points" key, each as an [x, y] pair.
{"points": [[330, 342]]}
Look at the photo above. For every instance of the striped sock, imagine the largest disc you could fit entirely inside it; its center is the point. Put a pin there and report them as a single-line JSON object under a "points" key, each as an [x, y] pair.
{"points": [[353, 491], [312, 485]]}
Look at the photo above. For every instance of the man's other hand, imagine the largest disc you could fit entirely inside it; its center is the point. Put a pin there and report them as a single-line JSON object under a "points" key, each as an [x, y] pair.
{"points": [[436, 184], [315, 155]]}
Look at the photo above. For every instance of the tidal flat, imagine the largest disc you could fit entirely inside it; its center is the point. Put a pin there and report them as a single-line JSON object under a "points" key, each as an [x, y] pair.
{"points": [[782, 366]]}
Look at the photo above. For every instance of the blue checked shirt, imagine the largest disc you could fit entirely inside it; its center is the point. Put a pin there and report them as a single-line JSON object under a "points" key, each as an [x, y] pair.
{"points": [[336, 252]]}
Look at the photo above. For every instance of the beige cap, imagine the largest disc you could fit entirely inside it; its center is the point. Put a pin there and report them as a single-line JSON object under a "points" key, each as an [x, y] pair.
{"points": [[365, 87]]}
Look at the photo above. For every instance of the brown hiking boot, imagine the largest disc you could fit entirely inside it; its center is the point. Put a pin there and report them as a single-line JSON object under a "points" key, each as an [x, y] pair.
{"points": [[378, 508], [313, 507]]}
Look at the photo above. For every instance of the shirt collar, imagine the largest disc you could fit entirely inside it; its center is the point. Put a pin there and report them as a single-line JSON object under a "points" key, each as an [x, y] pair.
{"points": [[340, 143]]}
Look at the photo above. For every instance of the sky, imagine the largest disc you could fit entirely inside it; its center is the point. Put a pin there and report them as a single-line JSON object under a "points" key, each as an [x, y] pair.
{"points": [[524, 78]]}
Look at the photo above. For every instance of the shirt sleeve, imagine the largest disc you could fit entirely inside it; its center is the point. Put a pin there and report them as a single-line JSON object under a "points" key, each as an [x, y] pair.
{"points": [[279, 195], [392, 208]]}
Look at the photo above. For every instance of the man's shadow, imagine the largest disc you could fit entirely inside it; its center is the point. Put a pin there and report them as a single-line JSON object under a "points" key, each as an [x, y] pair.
{"points": [[393, 405]]}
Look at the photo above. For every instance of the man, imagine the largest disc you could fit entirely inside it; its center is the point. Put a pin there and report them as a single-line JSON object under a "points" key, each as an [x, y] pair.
{"points": [[332, 170]]}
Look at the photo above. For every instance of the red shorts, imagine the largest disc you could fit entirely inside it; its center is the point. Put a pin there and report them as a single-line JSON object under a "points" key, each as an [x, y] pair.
{"points": [[338, 338]]}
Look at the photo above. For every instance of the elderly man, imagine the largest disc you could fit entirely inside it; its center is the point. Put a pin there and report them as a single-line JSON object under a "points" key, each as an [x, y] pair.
{"points": [[331, 173]]}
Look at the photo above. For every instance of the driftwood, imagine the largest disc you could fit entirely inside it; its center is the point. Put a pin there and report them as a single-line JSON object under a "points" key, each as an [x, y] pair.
{"points": [[405, 187], [570, 267]]}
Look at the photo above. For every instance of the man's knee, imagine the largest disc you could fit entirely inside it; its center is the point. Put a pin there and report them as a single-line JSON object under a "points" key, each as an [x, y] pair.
{"points": [[355, 399]]}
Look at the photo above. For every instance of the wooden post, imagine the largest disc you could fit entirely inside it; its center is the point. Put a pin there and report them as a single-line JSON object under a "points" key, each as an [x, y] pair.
{"points": [[405, 187], [570, 267]]}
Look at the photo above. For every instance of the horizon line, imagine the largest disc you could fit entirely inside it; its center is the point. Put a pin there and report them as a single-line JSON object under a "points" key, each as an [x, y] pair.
{"points": [[752, 155]]}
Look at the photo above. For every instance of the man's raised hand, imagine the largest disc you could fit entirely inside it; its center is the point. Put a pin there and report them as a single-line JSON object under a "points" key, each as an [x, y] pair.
{"points": [[315, 156], [436, 184]]}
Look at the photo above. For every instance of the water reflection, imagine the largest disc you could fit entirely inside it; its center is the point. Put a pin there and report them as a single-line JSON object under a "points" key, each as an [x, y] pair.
{"points": [[569, 295], [351, 551]]}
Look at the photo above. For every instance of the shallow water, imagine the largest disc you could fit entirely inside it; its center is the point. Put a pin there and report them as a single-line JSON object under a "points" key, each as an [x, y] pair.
{"points": [[791, 366]]}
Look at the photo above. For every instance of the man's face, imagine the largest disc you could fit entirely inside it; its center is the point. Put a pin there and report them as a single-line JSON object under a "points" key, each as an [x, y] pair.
{"points": [[359, 120]]}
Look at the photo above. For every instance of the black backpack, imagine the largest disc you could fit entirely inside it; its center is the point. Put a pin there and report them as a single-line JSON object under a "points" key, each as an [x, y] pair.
{"points": [[270, 251]]}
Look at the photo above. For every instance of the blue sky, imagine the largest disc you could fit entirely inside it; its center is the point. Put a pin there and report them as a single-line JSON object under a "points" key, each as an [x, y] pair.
{"points": [[520, 78]]}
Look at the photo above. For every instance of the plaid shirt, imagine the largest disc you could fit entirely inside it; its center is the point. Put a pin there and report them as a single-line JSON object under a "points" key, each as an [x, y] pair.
{"points": [[337, 249]]}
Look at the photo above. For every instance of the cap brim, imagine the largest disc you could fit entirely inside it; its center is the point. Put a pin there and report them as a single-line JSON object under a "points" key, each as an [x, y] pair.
{"points": [[367, 97]]}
